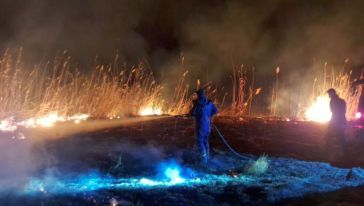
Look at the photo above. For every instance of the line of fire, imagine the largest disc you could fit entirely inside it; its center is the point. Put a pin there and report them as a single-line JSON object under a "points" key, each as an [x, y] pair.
{"points": [[175, 116]]}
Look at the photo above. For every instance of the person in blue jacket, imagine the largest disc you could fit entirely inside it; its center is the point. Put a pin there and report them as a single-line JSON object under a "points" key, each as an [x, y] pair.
{"points": [[203, 110]]}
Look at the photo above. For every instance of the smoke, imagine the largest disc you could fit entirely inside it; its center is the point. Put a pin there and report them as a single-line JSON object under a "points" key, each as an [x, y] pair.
{"points": [[24, 162], [50, 154], [17, 163], [212, 35]]}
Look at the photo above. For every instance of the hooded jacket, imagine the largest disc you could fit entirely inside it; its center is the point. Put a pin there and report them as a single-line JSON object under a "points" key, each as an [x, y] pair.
{"points": [[203, 109], [338, 110]]}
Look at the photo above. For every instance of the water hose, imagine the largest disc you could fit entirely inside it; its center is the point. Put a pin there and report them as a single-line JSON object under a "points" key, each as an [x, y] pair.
{"points": [[246, 156], [228, 146]]}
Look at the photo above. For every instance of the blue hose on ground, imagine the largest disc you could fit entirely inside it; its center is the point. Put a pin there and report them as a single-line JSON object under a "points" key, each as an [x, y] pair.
{"points": [[246, 156], [228, 146]]}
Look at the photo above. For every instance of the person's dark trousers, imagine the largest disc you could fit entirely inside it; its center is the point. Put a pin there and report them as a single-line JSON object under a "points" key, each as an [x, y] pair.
{"points": [[335, 138], [204, 147]]}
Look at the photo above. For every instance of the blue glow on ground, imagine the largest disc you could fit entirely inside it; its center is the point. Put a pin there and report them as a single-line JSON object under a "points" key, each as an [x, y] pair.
{"points": [[284, 178], [174, 175], [145, 181], [93, 182]]}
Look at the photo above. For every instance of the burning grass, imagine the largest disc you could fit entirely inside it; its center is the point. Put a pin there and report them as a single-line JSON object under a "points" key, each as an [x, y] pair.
{"points": [[319, 109], [56, 91], [60, 90], [242, 93], [56, 87]]}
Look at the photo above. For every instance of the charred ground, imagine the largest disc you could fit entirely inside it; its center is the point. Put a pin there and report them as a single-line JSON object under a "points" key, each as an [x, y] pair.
{"points": [[136, 150]]}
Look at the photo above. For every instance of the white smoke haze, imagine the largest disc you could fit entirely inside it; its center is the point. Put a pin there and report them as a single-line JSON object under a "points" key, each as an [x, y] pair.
{"points": [[17, 163], [210, 33], [22, 161], [68, 149]]}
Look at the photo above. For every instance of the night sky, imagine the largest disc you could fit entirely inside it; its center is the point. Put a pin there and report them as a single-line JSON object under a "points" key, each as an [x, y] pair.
{"points": [[213, 35]]}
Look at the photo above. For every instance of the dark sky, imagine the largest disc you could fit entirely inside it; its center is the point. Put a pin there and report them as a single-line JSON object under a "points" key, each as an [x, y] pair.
{"points": [[298, 36]]}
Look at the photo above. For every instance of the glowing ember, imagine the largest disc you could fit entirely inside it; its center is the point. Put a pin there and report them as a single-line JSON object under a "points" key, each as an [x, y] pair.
{"points": [[44, 121], [150, 110], [78, 118], [319, 111], [8, 125], [51, 119]]}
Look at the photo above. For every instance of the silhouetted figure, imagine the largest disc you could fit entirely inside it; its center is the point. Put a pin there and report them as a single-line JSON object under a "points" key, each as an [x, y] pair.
{"points": [[338, 109], [203, 110], [361, 103], [355, 86], [336, 129]]}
